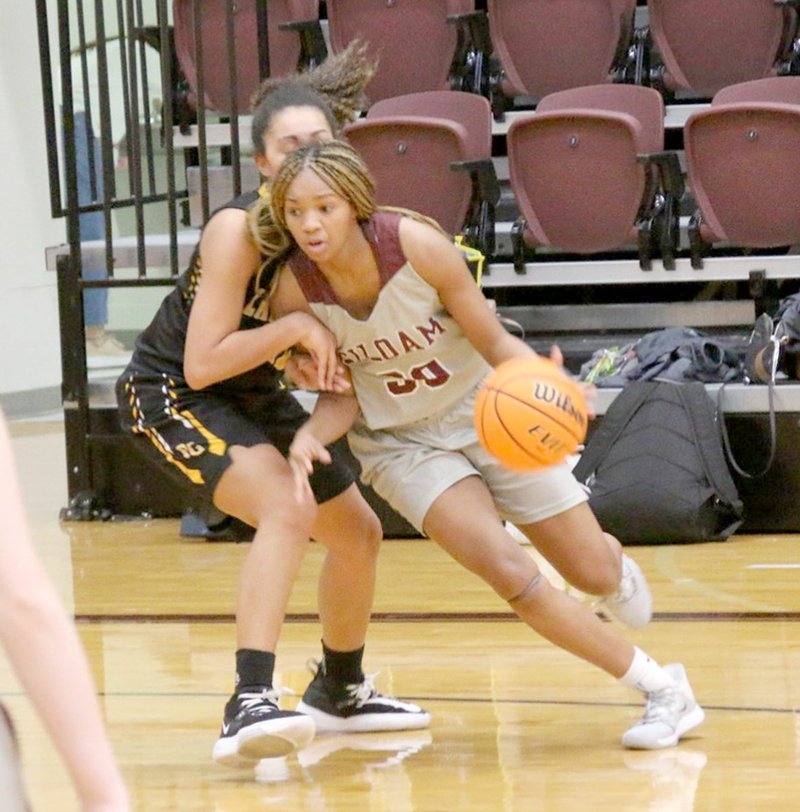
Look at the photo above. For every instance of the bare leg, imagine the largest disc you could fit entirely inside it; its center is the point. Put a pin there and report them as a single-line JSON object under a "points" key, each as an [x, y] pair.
{"points": [[594, 562], [352, 534], [463, 520], [258, 489], [340, 698], [581, 552]]}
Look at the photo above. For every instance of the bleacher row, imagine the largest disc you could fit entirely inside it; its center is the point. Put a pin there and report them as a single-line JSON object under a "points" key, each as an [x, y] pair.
{"points": [[585, 180], [505, 49], [624, 167], [519, 55]]}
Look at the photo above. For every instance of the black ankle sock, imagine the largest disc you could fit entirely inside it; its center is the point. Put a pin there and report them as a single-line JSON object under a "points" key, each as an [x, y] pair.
{"points": [[343, 667], [254, 669]]}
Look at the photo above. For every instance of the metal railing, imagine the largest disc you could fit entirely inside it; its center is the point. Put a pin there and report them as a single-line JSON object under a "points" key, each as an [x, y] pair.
{"points": [[114, 94]]}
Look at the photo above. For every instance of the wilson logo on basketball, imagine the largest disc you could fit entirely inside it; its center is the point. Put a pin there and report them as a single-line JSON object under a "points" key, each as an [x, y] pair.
{"points": [[546, 393]]}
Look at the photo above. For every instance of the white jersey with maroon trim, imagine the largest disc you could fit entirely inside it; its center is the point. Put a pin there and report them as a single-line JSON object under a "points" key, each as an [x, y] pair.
{"points": [[409, 358]]}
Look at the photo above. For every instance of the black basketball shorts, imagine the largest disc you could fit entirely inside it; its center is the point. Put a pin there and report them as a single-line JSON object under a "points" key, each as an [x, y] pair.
{"points": [[190, 432]]}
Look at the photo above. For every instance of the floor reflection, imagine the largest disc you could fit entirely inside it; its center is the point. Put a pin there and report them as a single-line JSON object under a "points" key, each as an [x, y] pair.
{"points": [[674, 777]]}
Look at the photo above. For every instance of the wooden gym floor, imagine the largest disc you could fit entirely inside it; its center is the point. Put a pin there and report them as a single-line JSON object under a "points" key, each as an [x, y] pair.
{"points": [[517, 726]]}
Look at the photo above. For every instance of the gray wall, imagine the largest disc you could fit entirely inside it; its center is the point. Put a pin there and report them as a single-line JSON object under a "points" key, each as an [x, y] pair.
{"points": [[29, 330], [29, 340]]}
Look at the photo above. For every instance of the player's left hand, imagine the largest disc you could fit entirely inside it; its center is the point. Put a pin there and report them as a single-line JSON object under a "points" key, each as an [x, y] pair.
{"points": [[589, 389], [304, 451], [301, 370]]}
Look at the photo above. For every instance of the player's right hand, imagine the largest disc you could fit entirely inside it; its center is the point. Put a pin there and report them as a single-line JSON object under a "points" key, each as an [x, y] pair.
{"points": [[589, 389]]}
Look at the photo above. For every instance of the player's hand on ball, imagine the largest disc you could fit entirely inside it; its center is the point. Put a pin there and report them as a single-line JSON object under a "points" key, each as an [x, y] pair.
{"points": [[304, 451], [556, 356], [589, 389]]}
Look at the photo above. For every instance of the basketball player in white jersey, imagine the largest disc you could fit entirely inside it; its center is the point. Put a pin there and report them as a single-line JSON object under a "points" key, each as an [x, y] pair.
{"points": [[417, 338]]}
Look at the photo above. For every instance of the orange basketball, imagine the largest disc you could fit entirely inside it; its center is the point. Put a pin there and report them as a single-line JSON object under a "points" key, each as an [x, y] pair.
{"points": [[529, 414]]}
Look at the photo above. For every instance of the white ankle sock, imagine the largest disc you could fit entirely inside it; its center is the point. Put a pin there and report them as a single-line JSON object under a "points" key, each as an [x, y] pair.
{"points": [[645, 674]]}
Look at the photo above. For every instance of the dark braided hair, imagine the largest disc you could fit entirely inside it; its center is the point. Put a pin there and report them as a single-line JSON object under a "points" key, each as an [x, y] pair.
{"points": [[342, 169], [336, 87]]}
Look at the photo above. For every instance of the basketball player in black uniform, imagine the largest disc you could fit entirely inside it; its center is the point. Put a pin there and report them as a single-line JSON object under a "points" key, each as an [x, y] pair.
{"points": [[203, 397]]}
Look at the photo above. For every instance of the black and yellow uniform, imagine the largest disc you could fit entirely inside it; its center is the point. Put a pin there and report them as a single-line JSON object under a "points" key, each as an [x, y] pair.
{"points": [[190, 431]]}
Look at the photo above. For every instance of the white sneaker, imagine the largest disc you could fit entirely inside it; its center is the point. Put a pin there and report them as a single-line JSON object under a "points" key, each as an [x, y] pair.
{"points": [[104, 343], [633, 603], [669, 714]]}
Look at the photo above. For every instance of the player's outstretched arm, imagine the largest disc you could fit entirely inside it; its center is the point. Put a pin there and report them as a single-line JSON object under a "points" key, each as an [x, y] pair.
{"points": [[216, 349], [46, 654]]}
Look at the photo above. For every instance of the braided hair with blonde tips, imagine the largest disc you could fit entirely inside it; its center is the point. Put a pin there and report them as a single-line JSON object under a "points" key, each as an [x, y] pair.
{"points": [[335, 86], [341, 168]]}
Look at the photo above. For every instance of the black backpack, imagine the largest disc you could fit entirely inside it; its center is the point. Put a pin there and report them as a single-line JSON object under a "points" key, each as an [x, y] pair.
{"points": [[656, 470]]}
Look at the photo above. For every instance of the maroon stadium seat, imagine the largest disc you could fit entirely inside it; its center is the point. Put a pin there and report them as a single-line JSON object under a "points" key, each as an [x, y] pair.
{"points": [[286, 50], [742, 165], [707, 44], [414, 40], [431, 152], [548, 45], [585, 170]]}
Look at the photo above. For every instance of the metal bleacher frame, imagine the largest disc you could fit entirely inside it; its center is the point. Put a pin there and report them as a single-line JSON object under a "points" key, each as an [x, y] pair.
{"points": [[105, 477]]}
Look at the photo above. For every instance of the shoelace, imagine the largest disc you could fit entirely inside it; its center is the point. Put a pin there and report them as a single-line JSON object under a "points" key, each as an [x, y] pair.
{"points": [[360, 692], [363, 691], [263, 702], [663, 706]]}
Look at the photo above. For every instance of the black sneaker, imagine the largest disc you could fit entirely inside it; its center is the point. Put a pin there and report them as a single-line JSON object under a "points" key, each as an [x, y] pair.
{"points": [[357, 708], [255, 727]]}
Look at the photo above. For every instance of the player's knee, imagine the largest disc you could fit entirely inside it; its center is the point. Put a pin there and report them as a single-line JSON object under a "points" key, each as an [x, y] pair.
{"points": [[294, 517], [370, 530], [508, 576], [533, 586], [348, 526], [364, 535]]}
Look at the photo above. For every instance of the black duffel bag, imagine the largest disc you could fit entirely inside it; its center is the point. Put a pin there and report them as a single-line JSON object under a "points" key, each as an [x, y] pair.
{"points": [[656, 469]]}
